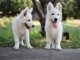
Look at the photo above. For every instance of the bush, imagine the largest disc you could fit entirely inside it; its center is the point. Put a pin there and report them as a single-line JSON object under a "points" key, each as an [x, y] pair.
{"points": [[14, 6], [71, 8]]}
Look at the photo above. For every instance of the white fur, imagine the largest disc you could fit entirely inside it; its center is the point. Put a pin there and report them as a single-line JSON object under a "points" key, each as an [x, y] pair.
{"points": [[53, 35], [19, 30]]}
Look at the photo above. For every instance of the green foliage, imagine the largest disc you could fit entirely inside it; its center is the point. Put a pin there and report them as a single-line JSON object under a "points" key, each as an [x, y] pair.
{"points": [[71, 8], [37, 41], [15, 6]]}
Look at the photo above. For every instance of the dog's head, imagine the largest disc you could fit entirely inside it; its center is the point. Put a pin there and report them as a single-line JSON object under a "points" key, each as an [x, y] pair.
{"points": [[27, 18], [54, 13]]}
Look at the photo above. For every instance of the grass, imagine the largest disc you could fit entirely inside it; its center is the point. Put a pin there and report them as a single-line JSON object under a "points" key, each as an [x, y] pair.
{"points": [[37, 41], [74, 31]]}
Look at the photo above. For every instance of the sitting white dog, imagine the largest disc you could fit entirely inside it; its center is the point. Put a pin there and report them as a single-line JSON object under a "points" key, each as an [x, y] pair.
{"points": [[53, 26], [21, 26]]}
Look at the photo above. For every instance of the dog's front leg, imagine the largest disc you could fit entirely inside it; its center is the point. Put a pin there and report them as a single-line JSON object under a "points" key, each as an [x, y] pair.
{"points": [[53, 45], [48, 42], [58, 41], [16, 39], [28, 40], [22, 42]]}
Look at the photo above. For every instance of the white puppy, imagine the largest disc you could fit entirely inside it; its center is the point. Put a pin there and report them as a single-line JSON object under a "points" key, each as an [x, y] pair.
{"points": [[53, 26], [21, 26]]}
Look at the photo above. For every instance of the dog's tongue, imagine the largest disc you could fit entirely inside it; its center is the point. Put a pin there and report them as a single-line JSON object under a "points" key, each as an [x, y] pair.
{"points": [[54, 25]]}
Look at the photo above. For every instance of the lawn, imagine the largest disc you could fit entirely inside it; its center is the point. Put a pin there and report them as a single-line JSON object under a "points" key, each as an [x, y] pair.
{"points": [[37, 41]]}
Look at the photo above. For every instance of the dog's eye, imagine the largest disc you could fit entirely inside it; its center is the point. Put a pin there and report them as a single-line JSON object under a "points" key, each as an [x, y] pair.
{"points": [[52, 13], [57, 14], [28, 20]]}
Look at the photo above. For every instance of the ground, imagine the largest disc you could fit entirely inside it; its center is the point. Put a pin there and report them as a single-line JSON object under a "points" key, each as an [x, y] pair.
{"points": [[8, 53]]}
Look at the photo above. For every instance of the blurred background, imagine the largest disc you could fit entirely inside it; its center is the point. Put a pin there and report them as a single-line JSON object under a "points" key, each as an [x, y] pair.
{"points": [[9, 9]]}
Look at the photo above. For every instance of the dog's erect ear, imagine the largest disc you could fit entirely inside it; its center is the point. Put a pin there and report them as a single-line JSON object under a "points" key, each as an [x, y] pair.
{"points": [[49, 6], [30, 10], [24, 11], [59, 6]]}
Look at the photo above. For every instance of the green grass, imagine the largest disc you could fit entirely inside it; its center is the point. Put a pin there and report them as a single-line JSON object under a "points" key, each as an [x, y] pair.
{"points": [[74, 31], [37, 41]]}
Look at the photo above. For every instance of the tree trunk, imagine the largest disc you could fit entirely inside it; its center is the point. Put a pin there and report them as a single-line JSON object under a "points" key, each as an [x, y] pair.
{"points": [[42, 13], [41, 16]]}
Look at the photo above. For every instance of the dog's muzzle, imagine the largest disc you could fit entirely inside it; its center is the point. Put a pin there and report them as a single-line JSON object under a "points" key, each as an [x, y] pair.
{"points": [[27, 26], [55, 19], [54, 23], [33, 26]]}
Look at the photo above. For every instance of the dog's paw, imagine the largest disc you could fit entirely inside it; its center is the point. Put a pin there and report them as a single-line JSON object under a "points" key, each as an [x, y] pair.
{"points": [[47, 47], [58, 48], [16, 47], [29, 47]]}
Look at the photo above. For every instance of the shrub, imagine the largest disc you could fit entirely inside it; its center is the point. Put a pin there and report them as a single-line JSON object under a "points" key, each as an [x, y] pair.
{"points": [[14, 6]]}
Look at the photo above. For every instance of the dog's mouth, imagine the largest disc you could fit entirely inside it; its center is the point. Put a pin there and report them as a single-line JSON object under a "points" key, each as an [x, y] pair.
{"points": [[54, 23], [27, 27]]}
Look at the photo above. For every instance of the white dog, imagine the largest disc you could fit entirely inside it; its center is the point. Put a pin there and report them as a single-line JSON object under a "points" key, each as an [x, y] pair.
{"points": [[53, 26], [21, 27]]}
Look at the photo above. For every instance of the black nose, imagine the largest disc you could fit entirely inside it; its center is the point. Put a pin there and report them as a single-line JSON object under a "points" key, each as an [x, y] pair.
{"points": [[55, 19], [33, 26]]}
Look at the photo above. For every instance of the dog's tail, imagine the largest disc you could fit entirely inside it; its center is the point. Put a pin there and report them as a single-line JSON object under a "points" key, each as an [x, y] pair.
{"points": [[66, 34]]}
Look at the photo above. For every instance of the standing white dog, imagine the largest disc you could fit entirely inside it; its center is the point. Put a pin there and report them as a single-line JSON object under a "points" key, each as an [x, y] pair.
{"points": [[53, 26], [21, 27]]}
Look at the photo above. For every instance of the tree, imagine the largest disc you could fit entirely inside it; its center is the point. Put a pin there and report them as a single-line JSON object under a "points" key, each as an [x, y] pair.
{"points": [[15, 6], [42, 13], [71, 8]]}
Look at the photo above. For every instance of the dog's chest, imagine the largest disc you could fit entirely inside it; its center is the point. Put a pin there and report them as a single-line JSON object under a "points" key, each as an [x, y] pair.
{"points": [[22, 32], [53, 33]]}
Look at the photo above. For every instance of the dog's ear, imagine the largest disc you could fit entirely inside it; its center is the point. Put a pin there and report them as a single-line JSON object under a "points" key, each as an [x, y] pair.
{"points": [[30, 10], [59, 6], [49, 6], [24, 11]]}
